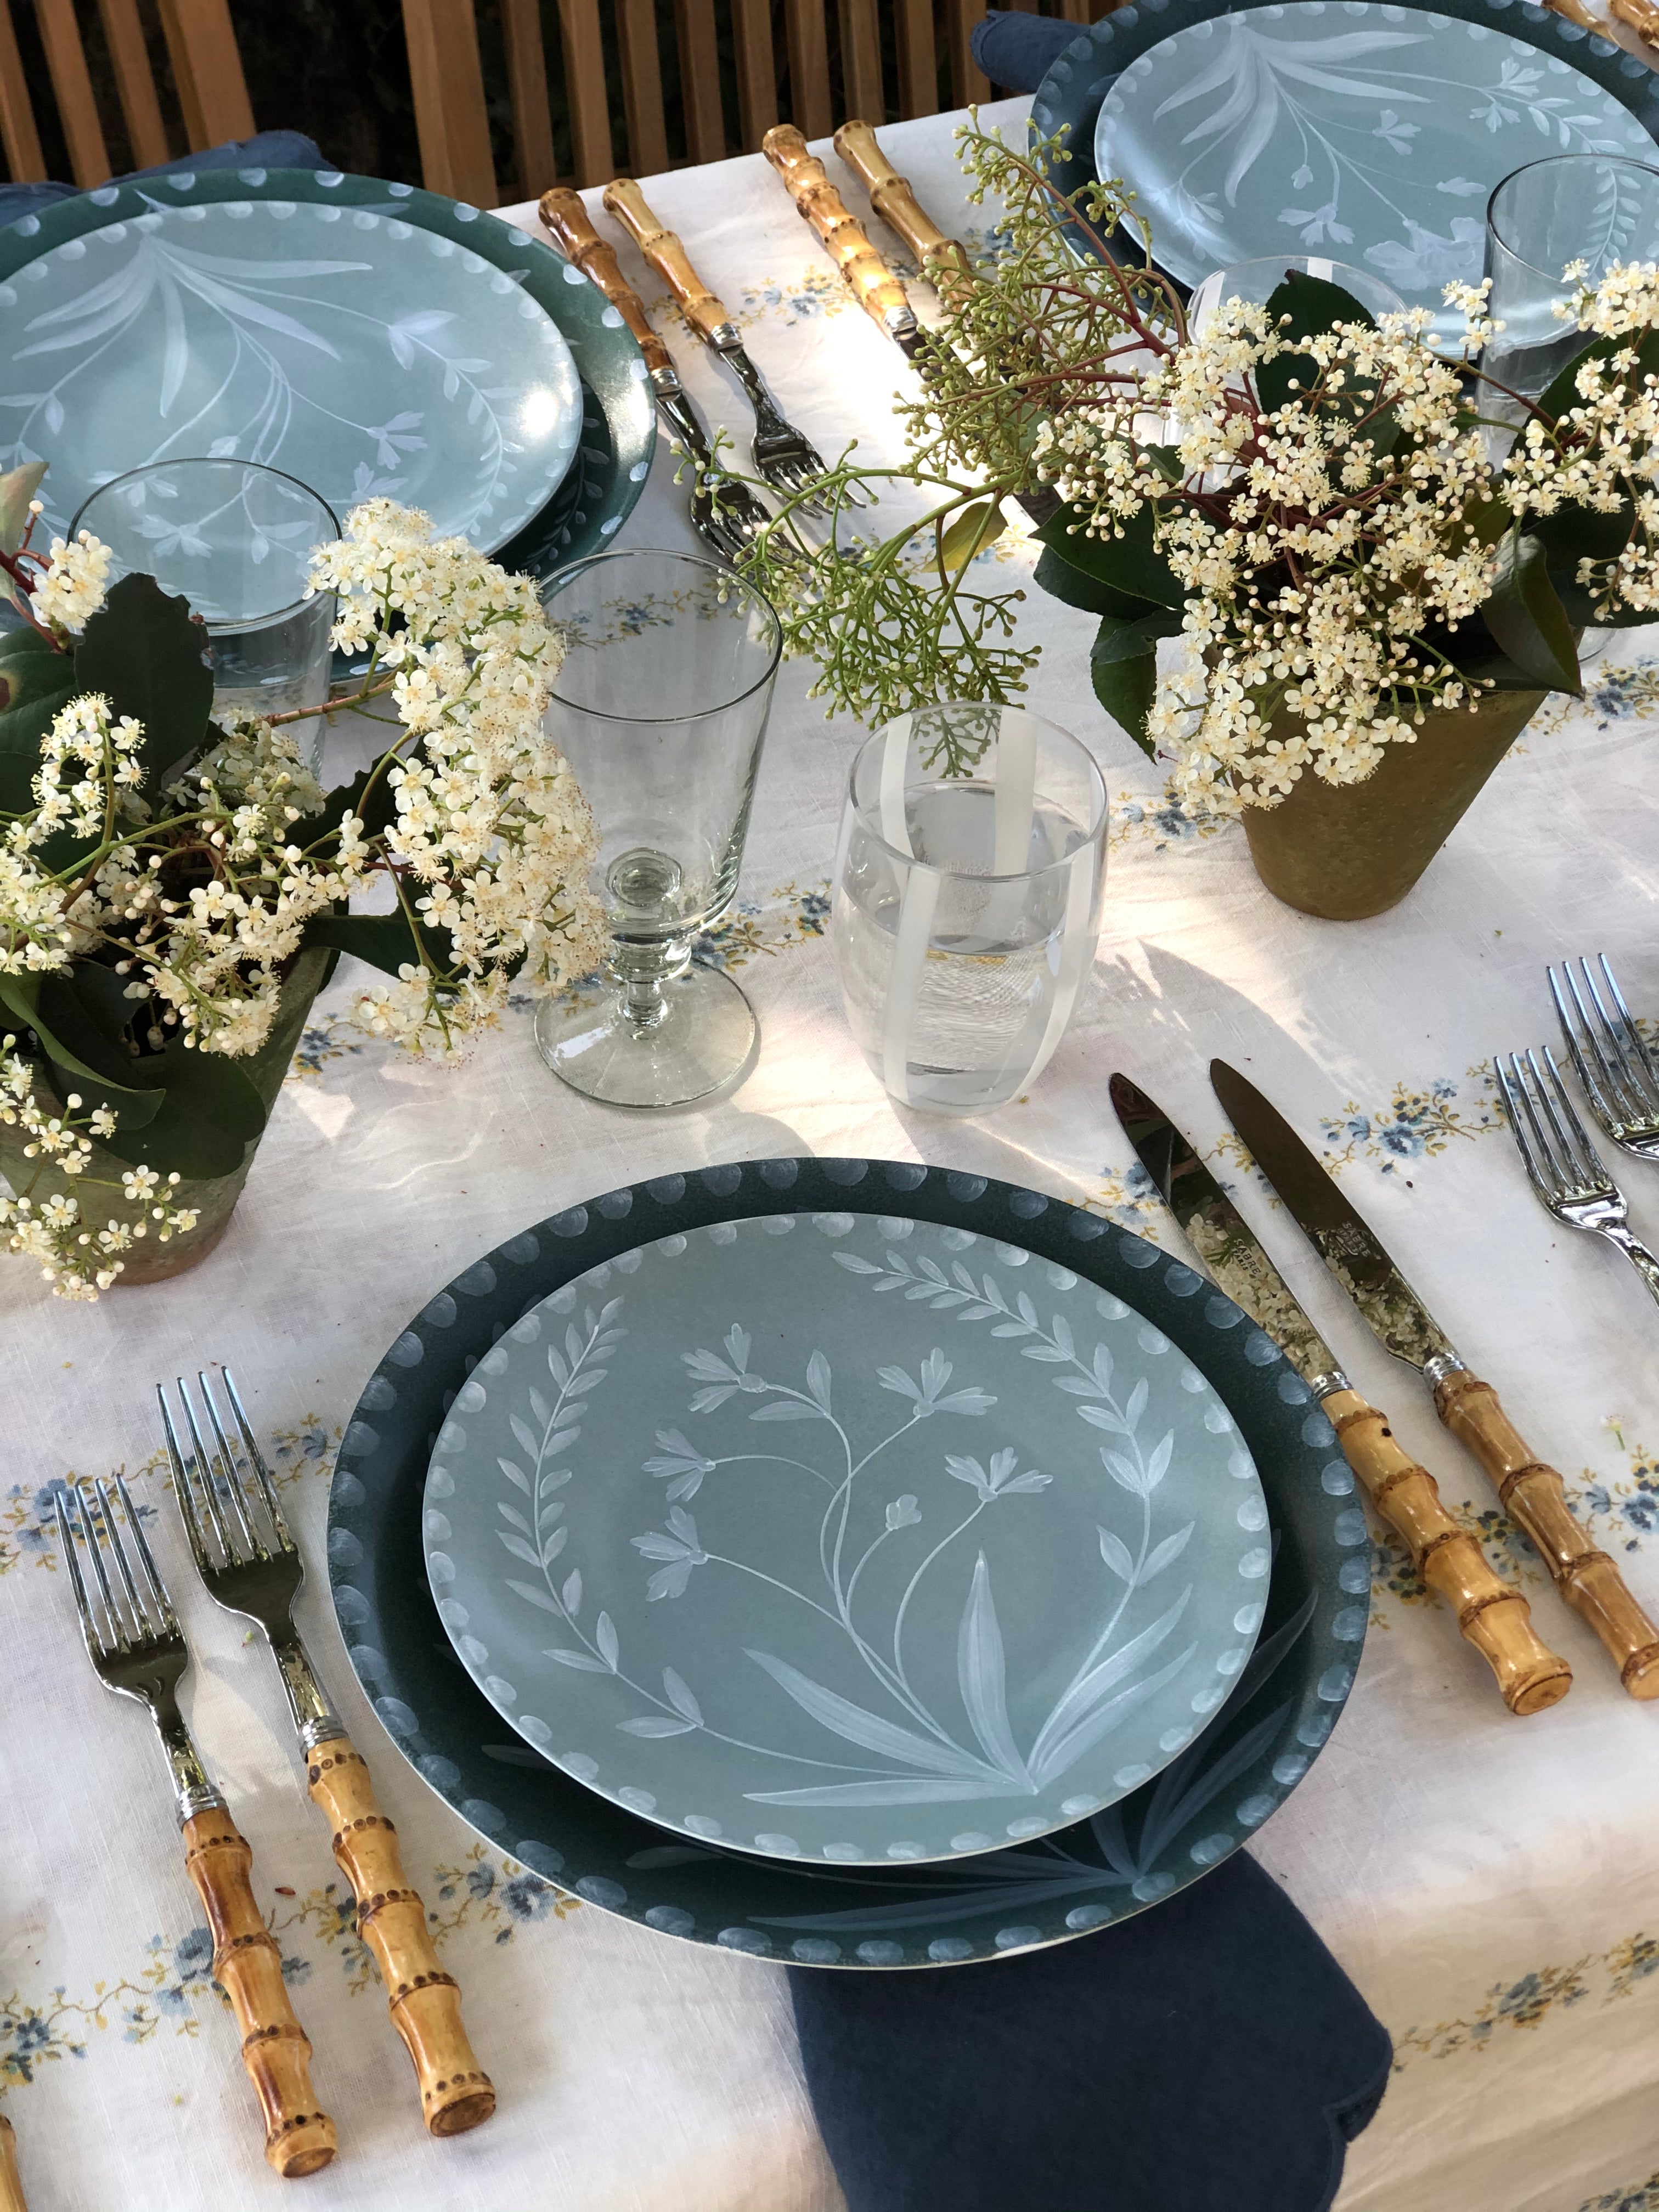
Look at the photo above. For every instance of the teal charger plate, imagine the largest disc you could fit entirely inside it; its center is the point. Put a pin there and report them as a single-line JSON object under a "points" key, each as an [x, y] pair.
{"points": [[1152, 1843], [618, 434], [1075, 89]]}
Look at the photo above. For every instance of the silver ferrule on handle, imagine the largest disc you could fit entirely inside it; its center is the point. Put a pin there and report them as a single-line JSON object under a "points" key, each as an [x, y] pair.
{"points": [[192, 1791], [314, 1717], [1439, 1366], [1328, 1384]]}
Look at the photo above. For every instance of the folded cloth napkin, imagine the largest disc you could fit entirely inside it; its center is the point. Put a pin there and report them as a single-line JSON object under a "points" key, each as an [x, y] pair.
{"points": [[1207, 2056], [1017, 51], [269, 150]]}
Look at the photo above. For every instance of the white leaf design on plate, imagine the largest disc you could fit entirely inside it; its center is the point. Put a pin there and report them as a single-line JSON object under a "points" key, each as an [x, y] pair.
{"points": [[536, 1596], [572, 1592], [514, 1475], [1116, 1552], [1081, 1717], [519, 1549], [605, 1635], [1161, 1554], [817, 1379], [981, 1676], [868, 1729], [585, 1660], [528, 1440], [655, 1724], [679, 1696], [512, 1515], [788, 1409]]}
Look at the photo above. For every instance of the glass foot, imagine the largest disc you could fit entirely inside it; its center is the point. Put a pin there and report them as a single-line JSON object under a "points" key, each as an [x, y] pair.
{"points": [[706, 1039]]}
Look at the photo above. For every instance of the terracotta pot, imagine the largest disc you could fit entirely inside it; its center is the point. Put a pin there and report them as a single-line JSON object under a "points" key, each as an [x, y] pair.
{"points": [[215, 1198], [1344, 851]]}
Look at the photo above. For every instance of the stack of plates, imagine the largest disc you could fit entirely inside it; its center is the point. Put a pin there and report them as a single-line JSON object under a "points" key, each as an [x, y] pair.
{"points": [[848, 1562], [1372, 134], [363, 336]]}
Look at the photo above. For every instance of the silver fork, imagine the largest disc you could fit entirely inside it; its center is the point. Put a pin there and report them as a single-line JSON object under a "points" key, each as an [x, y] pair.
{"points": [[1564, 1167], [1623, 1086], [138, 1650], [250, 1564]]}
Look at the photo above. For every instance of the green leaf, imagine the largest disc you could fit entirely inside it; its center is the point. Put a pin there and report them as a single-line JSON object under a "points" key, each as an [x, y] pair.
{"points": [[974, 529], [209, 1113], [36, 681], [144, 651], [17, 487], [1526, 617], [384, 940], [1075, 587], [80, 1058], [1307, 305], [1131, 564], [1123, 668]]}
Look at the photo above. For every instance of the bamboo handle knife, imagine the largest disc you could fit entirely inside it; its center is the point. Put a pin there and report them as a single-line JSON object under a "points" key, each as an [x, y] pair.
{"points": [[248, 1965], [944, 260], [12, 2184], [1492, 1615], [572, 227], [664, 252], [1531, 1492], [876, 289]]}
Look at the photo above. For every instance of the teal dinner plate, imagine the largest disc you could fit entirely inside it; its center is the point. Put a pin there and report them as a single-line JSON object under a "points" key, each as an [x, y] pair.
{"points": [[1247, 1758], [1372, 134], [844, 1537], [364, 336]]}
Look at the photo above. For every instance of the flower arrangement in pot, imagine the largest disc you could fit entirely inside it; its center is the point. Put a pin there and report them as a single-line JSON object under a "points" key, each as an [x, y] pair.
{"points": [[1369, 596], [174, 891]]}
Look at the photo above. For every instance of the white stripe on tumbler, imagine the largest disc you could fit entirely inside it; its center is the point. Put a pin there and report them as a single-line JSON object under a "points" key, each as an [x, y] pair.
{"points": [[1076, 952], [1016, 792], [895, 759], [915, 928]]}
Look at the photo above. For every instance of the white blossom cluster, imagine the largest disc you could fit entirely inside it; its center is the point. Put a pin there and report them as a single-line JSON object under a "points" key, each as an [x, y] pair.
{"points": [[1319, 550], [203, 906], [73, 587]]}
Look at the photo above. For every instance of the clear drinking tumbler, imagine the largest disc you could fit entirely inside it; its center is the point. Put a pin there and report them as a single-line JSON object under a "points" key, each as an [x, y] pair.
{"points": [[967, 892]]}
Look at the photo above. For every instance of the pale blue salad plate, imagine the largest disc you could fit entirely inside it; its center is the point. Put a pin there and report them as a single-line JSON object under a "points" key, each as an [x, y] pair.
{"points": [[842, 1537], [1372, 134], [367, 337]]}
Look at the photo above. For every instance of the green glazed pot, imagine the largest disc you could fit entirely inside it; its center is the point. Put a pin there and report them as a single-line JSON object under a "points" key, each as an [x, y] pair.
{"points": [[1344, 851], [215, 1198]]}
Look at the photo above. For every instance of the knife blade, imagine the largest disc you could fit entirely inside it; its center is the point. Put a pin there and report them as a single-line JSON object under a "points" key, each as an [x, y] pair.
{"points": [[1491, 1615], [1529, 1489]]}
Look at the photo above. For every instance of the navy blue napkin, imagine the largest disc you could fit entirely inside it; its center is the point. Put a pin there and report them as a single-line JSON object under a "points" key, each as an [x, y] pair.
{"points": [[1017, 51], [268, 149], [1207, 2056]]}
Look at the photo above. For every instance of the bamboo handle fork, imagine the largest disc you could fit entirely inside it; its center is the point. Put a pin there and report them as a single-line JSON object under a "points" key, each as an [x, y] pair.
{"points": [[138, 1650], [249, 1564]]}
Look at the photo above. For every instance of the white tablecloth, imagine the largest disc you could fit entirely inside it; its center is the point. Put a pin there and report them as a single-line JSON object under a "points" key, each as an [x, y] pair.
{"points": [[1489, 1883]]}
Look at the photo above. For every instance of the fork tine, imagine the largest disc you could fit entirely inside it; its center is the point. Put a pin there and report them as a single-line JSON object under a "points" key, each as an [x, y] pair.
{"points": [[205, 1475], [1640, 1071], [239, 1497], [1574, 1034], [112, 1614], [117, 1550], [1609, 1050], [1534, 1151], [185, 1490], [147, 1558], [94, 1640], [256, 1458], [1586, 1159]]}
